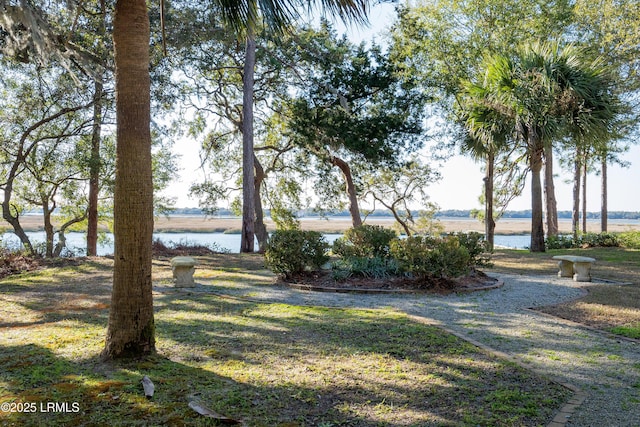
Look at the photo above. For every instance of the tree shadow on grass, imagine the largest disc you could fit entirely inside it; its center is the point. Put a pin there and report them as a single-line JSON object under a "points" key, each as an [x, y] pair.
{"points": [[41, 388], [359, 367]]}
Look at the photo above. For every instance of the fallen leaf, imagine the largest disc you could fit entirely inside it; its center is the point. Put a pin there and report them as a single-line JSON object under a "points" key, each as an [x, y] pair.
{"points": [[206, 412]]}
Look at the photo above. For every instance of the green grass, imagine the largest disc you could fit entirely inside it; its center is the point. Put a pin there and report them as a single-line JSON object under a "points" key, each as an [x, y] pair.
{"points": [[264, 364], [631, 331]]}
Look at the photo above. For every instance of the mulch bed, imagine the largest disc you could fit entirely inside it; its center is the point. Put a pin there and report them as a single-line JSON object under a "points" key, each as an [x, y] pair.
{"points": [[323, 281]]}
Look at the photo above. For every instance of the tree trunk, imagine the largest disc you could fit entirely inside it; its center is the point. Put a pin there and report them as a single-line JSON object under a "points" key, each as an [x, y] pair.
{"points": [[13, 218], [354, 210], [62, 240], [584, 195], [94, 172], [261, 229], [48, 228], [131, 329], [575, 213], [550, 193], [94, 163], [537, 227], [603, 206], [248, 184], [489, 223]]}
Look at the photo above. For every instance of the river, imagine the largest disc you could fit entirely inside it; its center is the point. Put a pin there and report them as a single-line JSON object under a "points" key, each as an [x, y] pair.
{"points": [[76, 242]]}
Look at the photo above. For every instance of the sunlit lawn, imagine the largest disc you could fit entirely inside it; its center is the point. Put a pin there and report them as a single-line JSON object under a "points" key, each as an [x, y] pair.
{"points": [[262, 364]]}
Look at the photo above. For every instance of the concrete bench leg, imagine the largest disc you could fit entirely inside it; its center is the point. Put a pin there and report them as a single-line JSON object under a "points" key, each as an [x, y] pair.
{"points": [[566, 269], [582, 271], [183, 276]]}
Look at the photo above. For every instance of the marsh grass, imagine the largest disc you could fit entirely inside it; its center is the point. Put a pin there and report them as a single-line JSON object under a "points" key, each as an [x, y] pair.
{"points": [[263, 364], [610, 307]]}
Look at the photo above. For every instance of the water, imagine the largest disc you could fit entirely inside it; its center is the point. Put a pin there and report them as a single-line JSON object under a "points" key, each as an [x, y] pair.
{"points": [[76, 242]]}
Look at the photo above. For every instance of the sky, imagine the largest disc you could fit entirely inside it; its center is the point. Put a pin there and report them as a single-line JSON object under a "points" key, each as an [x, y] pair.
{"points": [[461, 182]]}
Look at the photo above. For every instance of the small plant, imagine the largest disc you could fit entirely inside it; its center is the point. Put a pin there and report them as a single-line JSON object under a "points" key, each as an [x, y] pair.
{"points": [[427, 257], [292, 252], [373, 267], [365, 241]]}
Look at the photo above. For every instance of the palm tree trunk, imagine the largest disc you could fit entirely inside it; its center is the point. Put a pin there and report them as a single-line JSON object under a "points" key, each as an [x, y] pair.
{"points": [[248, 185], [489, 223], [550, 193], [537, 227], [604, 195], [575, 214], [354, 209], [131, 329]]}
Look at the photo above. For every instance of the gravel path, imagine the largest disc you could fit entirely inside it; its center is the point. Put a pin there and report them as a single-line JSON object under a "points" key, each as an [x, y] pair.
{"points": [[607, 369]]}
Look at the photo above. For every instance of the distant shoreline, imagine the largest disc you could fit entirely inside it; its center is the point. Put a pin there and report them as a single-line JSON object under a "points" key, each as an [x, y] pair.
{"points": [[202, 224]]}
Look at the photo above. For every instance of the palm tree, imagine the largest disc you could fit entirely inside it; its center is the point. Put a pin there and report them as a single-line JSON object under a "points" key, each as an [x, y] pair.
{"points": [[487, 136], [548, 91], [131, 326], [131, 329]]}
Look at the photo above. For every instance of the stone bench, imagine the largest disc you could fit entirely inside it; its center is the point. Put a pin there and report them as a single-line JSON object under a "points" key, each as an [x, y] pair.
{"points": [[578, 267], [183, 268]]}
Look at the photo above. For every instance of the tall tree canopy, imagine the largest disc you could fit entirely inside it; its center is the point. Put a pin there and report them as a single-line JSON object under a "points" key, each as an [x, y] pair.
{"points": [[547, 91]]}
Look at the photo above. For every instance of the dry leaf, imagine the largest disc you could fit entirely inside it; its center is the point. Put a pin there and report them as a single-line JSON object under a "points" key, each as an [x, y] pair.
{"points": [[206, 412]]}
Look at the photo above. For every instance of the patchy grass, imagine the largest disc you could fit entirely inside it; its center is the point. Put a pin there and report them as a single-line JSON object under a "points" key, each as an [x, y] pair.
{"points": [[264, 364], [610, 307]]}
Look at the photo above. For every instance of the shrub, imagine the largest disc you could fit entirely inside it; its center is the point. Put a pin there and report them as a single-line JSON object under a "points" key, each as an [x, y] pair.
{"points": [[602, 240], [630, 239], [290, 252], [374, 267], [559, 242], [476, 245], [365, 241], [426, 257]]}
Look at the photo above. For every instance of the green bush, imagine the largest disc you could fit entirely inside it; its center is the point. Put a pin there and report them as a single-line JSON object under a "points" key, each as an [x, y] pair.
{"points": [[630, 239], [374, 267], [591, 240], [365, 241], [559, 242], [601, 240], [426, 257], [476, 245], [290, 252]]}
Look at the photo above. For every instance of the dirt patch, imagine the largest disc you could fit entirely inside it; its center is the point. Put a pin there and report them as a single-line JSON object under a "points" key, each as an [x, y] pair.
{"points": [[325, 282]]}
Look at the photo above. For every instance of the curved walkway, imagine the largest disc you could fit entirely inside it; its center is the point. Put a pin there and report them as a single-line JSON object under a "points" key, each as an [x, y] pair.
{"points": [[605, 368]]}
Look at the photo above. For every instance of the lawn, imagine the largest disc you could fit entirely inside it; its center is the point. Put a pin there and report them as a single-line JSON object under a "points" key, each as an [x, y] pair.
{"points": [[261, 364], [609, 307]]}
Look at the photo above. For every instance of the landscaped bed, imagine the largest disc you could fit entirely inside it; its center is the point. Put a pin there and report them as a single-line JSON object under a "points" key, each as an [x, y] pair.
{"points": [[261, 364]]}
